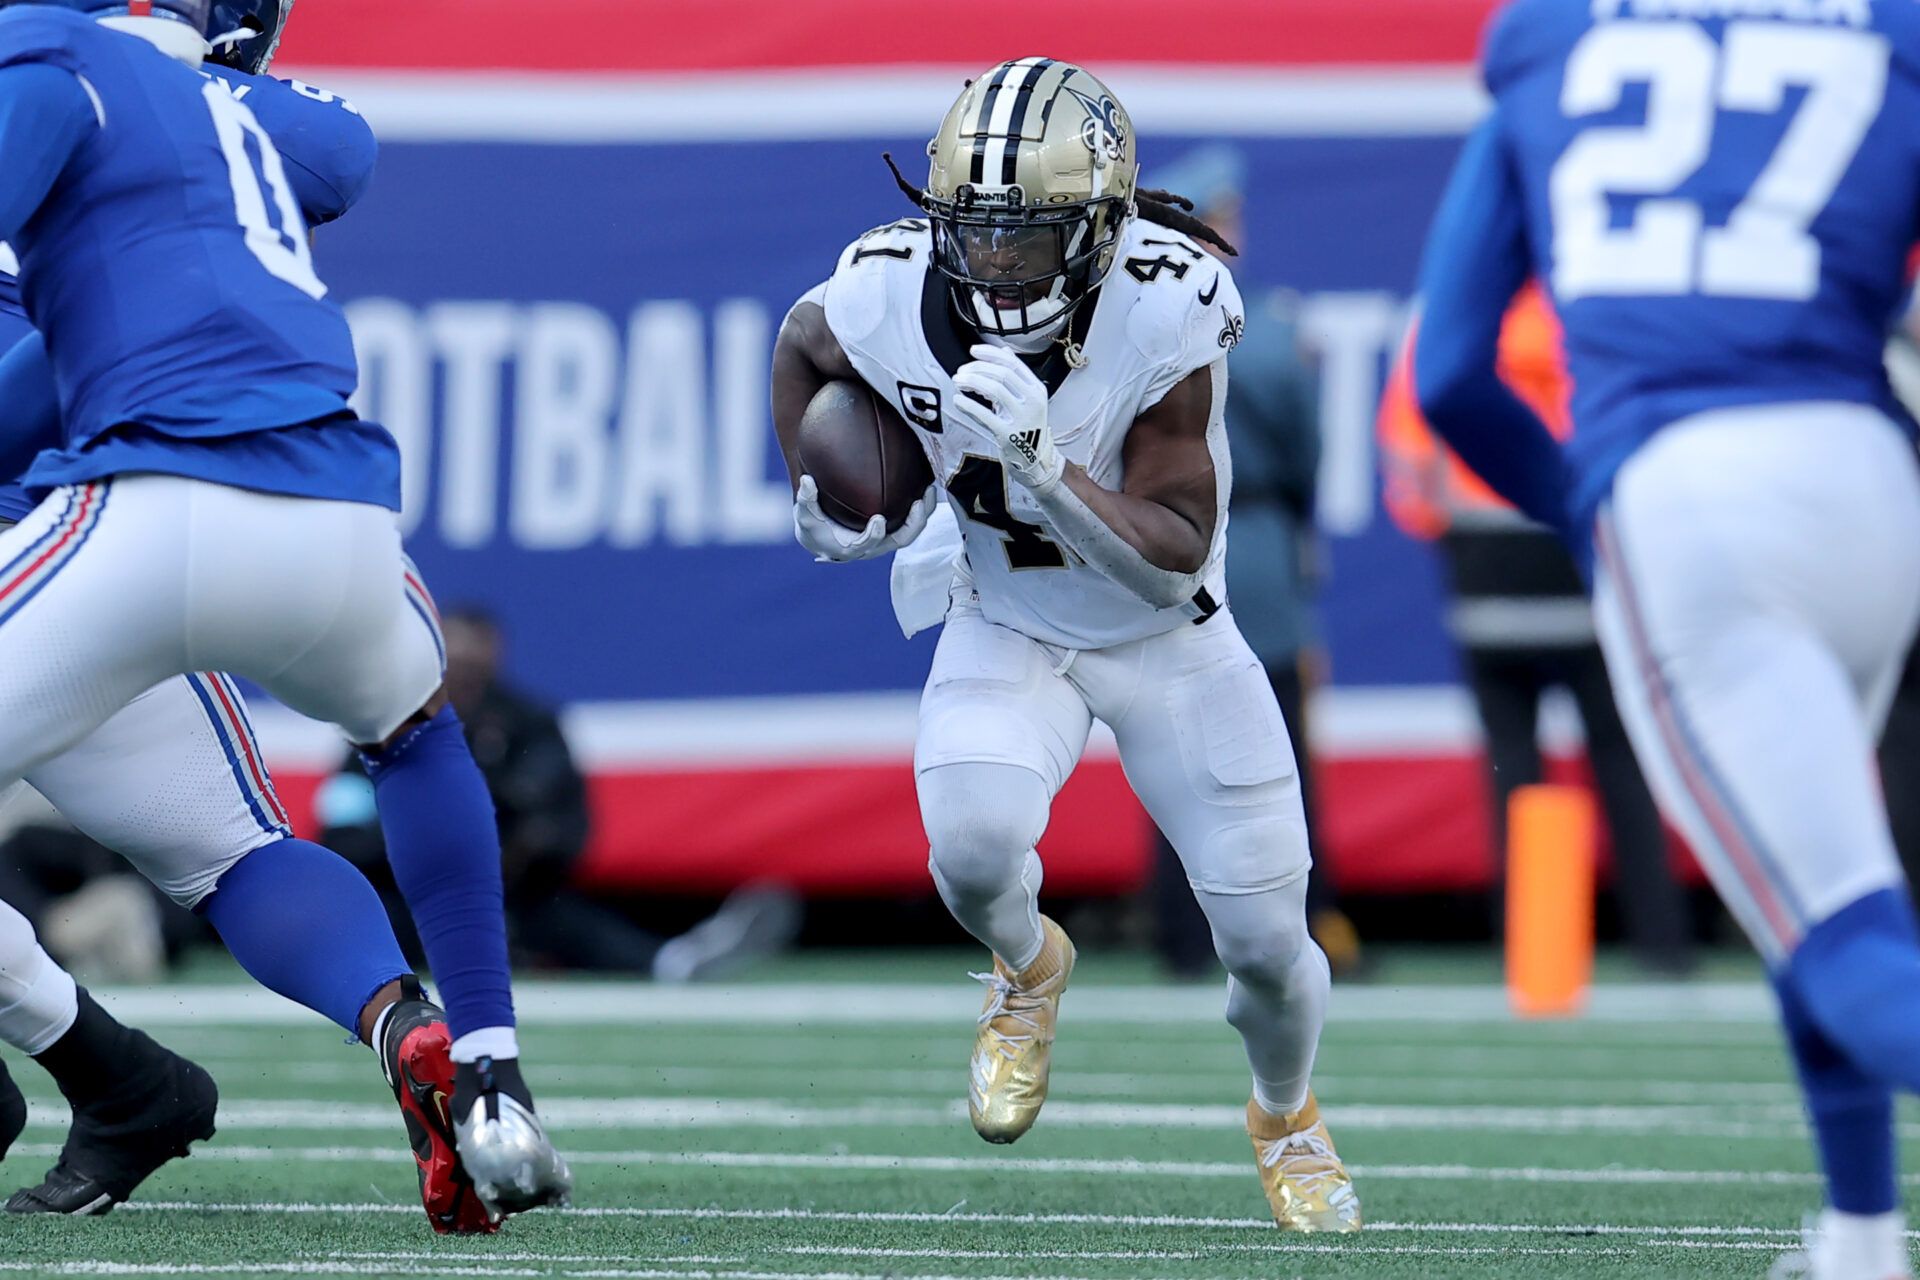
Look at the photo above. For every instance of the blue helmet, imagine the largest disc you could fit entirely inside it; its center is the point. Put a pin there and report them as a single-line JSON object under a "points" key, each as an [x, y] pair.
{"points": [[267, 19]]}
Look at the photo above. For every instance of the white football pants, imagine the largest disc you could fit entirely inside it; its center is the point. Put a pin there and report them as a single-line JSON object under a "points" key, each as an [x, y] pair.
{"points": [[109, 589], [175, 782], [1757, 590], [1003, 722]]}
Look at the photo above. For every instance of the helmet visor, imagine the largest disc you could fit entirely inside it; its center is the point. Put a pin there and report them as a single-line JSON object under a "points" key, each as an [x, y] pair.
{"points": [[1013, 264], [1023, 268]]}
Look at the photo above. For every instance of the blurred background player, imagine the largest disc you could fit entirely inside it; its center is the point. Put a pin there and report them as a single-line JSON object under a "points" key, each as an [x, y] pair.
{"points": [[541, 799], [270, 474], [1519, 613], [1727, 262], [1041, 296], [176, 782], [1273, 553]]}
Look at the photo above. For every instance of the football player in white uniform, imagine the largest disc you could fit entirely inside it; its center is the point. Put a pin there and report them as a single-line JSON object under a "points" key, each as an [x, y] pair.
{"points": [[1058, 342]]}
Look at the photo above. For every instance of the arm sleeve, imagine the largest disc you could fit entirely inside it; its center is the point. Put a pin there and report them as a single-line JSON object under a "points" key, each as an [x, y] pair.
{"points": [[31, 422], [1476, 260], [44, 118]]}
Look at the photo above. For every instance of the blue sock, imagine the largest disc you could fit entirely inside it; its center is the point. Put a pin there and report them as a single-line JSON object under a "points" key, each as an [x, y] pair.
{"points": [[444, 848], [1852, 1115], [1855, 981], [1857, 976], [305, 924]]}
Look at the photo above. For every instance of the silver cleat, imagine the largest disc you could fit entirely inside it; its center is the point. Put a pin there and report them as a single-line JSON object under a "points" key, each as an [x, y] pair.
{"points": [[506, 1152]]}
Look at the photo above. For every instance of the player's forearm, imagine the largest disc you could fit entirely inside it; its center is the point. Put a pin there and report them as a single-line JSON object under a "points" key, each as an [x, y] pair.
{"points": [[1153, 551], [1476, 261], [1164, 538], [1504, 443], [805, 358], [795, 382]]}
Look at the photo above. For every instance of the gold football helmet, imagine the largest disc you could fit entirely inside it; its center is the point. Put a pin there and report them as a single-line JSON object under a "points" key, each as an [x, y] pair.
{"points": [[1032, 181]]}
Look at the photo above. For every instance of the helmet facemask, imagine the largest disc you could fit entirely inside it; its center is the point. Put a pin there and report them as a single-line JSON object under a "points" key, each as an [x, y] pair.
{"points": [[247, 33], [1018, 268]]}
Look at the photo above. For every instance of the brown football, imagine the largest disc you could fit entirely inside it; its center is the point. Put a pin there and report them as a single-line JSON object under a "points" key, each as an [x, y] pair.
{"points": [[863, 456]]}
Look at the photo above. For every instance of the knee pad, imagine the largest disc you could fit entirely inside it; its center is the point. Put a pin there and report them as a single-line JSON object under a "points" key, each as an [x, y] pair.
{"points": [[981, 821], [1259, 937]]}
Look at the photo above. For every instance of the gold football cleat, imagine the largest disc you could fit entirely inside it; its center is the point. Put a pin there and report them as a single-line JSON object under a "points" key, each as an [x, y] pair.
{"points": [[1308, 1187], [1007, 1079]]}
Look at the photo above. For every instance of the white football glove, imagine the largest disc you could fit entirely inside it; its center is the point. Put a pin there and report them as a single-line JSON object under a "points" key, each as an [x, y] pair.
{"points": [[829, 540], [1016, 416]]}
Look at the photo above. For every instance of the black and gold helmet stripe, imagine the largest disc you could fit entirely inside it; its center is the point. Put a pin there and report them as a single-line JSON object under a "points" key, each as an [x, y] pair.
{"points": [[1002, 115]]}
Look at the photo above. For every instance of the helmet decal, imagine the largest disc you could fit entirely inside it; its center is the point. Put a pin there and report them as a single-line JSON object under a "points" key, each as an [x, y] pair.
{"points": [[1105, 131]]}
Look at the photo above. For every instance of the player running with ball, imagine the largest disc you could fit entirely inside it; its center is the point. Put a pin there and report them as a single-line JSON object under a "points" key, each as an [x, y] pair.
{"points": [[1059, 342]]}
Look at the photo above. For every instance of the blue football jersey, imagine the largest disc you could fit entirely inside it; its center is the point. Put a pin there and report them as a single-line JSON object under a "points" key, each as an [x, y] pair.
{"points": [[1721, 196], [329, 153], [169, 271]]}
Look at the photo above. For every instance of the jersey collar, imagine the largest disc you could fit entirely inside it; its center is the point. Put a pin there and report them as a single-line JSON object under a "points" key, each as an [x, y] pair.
{"points": [[949, 334]]}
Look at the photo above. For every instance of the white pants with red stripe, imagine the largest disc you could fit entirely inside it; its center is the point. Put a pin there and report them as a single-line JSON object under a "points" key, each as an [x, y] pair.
{"points": [[107, 590], [174, 782], [1758, 585]]}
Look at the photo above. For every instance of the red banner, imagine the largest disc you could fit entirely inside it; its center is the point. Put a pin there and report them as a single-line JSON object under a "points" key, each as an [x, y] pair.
{"points": [[709, 35]]}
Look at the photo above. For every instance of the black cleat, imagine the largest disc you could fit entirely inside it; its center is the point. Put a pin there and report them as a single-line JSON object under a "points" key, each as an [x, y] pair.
{"points": [[117, 1142], [13, 1111]]}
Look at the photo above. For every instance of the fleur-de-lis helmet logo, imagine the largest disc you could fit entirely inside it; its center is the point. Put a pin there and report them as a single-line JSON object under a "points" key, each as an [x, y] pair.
{"points": [[1105, 131]]}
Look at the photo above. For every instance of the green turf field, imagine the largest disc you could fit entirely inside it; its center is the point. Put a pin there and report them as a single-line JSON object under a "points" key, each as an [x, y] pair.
{"points": [[816, 1127]]}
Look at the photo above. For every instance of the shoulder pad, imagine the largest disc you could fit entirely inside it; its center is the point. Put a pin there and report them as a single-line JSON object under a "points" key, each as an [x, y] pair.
{"points": [[858, 293], [327, 143], [40, 33], [1519, 33], [1181, 321]]}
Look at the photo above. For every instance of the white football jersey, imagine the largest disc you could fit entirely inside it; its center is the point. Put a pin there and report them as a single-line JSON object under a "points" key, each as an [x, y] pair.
{"points": [[1166, 309]]}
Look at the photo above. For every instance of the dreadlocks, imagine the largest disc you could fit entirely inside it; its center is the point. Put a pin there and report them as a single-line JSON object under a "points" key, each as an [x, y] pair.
{"points": [[1165, 209], [912, 192], [1162, 208]]}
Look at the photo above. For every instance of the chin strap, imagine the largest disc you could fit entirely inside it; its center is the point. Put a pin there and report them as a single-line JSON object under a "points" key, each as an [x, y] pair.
{"points": [[235, 36]]}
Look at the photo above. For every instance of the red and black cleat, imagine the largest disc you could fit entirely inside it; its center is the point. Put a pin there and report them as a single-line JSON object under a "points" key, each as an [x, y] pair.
{"points": [[414, 1046]]}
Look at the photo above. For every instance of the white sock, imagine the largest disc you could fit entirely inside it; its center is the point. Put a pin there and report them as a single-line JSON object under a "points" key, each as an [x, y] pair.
{"points": [[1276, 988], [38, 1001], [488, 1042], [1861, 1246]]}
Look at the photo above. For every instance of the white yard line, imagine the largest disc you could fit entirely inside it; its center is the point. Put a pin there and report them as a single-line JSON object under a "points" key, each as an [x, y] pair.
{"points": [[688, 1269], [830, 1004], [603, 1114], [1168, 1221], [95, 1268], [997, 1166], [1141, 1086]]}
